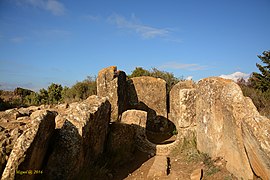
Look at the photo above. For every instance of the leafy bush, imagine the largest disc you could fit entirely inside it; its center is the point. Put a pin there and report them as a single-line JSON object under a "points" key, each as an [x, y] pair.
{"points": [[22, 92], [260, 99], [54, 93], [80, 90], [32, 99]]}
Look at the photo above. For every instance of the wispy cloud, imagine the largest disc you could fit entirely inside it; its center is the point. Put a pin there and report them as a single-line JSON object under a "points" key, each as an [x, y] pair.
{"points": [[17, 39], [132, 24], [191, 67], [91, 17], [54, 6]]}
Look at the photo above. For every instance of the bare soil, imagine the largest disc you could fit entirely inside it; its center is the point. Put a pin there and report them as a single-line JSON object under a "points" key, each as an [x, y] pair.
{"points": [[180, 167]]}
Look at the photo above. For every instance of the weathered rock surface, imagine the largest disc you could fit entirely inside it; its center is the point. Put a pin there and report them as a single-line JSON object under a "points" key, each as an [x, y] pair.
{"points": [[112, 84], [11, 127], [30, 147], [256, 136], [159, 168], [121, 143], [221, 112], [148, 94], [81, 139], [196, 174], [258, 159], [182, 104], [226, 123], [136, 117]]}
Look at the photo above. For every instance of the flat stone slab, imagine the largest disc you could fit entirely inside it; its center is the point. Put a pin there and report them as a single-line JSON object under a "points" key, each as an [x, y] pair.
{"points": [[159, 167]]}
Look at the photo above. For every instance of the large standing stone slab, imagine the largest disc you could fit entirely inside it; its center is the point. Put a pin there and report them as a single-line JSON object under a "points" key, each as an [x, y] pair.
{"points": [[148, 93], [182, 104], [31, 147], [121, 143], [111, 83], [221, 112], [81, 139]]}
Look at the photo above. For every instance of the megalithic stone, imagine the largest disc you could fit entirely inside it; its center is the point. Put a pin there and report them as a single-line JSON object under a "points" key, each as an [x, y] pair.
{"points": [[111, 83]]}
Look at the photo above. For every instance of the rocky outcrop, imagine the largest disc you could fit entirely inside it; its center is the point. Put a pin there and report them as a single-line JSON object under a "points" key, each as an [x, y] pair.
{"points": [[10, 130], [81, 139], [111, 83], [148, 94], [214, 112], [30, 148], [228, 125]]}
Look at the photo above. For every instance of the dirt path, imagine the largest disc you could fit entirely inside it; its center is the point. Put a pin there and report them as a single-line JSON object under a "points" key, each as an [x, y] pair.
{"points": [[179, 167]]}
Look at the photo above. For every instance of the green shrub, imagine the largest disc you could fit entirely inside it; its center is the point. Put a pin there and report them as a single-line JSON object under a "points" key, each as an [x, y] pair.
{"points": [[54, 93], [32, 99], [260, 99], [22, 92], [80, 90]]}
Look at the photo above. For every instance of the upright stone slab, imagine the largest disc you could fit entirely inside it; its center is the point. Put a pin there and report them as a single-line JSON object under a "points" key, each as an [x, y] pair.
{"points": [[112, 84], [120, 143], [149, 94], [81, 139], [30, 148], [182, 104], [136, 117], [229, 125]]}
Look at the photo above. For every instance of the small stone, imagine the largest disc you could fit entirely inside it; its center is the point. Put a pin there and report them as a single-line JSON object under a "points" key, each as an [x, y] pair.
{"points": [[196, 174]]}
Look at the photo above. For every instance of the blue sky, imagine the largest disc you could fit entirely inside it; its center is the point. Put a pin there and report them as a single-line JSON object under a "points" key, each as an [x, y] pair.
{"points": [[63, 41]]}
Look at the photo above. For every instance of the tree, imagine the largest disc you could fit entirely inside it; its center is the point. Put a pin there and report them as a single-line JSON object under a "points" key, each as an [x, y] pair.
{"points": [[261, 80], [139, 71], [54, 93], [44, 97], [22, 92]]}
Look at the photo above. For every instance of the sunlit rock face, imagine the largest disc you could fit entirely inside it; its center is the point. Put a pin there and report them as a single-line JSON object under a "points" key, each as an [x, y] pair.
{"points": [[31, 145], [81, 139], [111, 83], [64, 141], [228, 125], [148, 93]]}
